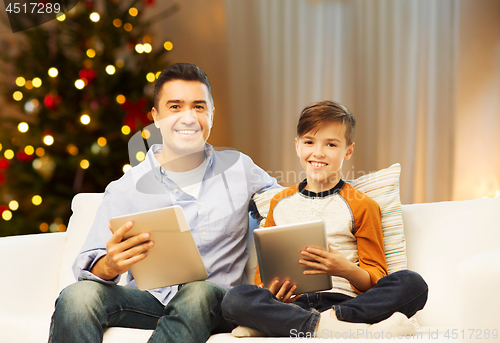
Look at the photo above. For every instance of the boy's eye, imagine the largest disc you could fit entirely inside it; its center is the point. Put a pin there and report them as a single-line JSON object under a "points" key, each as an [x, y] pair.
{"points": [[332, 145], [308, 142]]}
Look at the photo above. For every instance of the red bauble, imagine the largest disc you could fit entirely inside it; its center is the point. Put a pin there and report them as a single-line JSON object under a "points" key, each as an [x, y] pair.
{"points": [[24, 157], [50, 102], [87, 74], [4, 163], [2, 181], [135, 113], [150, 2]]}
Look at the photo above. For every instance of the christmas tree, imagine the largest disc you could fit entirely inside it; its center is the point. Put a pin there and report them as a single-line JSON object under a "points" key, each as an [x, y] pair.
{"points": [[82, 85]]}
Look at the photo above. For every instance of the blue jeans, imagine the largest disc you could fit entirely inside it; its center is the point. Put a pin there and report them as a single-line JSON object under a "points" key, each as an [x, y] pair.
{"points": [[84, 309], [248, 305]]}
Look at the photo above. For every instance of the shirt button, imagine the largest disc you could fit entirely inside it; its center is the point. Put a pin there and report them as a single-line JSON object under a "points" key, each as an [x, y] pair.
{"points": [[199, 203], [176, 190], [203, 233], [162, 170]]}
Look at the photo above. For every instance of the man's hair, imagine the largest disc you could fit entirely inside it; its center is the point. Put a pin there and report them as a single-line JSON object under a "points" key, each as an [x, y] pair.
{"points": [[180, 71], [325, 112]]}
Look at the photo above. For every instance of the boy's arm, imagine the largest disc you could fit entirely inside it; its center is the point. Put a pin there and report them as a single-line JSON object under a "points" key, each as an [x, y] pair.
{"points": [[370, 241], [333, 263], [370, 244]]}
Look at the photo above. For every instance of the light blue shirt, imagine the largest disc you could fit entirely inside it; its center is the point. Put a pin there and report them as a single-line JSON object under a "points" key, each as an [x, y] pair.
{"points": [[218, 218]]}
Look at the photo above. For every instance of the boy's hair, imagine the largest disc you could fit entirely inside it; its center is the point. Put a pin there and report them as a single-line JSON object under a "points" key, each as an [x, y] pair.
{"points": [[180, 71], [324, 112]]}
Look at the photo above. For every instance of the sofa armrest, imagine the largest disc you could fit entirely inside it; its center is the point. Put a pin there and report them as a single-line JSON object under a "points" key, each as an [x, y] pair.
{"points": [[479, 282], [30, 272]]}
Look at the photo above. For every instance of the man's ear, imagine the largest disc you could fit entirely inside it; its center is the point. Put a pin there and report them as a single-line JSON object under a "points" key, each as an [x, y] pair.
{"points": [[297, 149], [212, 118], [154, 113], [349, 152]]}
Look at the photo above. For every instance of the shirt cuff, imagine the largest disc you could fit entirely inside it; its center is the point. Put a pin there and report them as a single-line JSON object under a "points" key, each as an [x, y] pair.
{"points": [[84, 264]]}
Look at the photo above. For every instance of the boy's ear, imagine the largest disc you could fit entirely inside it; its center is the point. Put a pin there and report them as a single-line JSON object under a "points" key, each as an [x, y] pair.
{"points": [[297, 149], [349, 152]]}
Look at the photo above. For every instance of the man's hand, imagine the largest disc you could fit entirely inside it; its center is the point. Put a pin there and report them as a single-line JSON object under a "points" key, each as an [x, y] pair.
{"points": [[284, 292], [121, 254]]}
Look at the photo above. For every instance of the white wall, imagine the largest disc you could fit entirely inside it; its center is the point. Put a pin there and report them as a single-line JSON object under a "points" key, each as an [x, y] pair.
{"points": [[477, 125]]}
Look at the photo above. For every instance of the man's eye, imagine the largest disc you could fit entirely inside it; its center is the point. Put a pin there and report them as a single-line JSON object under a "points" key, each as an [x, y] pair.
{"points": [[199, 108], [174, 107]]}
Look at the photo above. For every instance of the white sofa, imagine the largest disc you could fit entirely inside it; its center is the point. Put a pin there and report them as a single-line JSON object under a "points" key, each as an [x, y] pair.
{"points": [[455, 246]]}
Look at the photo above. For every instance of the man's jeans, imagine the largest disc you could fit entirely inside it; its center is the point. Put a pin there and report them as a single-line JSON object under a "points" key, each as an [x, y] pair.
{"points": [[84, 309], [247, 305]]}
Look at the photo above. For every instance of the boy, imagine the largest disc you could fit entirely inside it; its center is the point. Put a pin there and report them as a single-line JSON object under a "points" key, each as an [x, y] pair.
{"points": [[364, 300]]}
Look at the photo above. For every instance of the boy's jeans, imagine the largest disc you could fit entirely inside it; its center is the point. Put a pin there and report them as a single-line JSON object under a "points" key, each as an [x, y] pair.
{"points": [[247, 305], [84, 309]]}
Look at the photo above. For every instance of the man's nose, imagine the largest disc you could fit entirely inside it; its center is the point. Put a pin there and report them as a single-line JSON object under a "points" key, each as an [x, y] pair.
{"points": [[188, 117]]}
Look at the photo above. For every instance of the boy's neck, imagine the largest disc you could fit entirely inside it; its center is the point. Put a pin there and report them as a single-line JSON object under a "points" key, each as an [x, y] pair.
{"points": [[321, 188], [318, 187]]}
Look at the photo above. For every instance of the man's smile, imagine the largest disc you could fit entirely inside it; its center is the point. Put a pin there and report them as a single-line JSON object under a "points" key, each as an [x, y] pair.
{"points": [[187, 132]]}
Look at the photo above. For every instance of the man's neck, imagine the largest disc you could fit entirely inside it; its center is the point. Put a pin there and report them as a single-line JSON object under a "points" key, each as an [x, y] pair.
{"points": [[180, 163]]}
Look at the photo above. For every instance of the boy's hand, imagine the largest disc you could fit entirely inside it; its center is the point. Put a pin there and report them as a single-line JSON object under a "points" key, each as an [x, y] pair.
{"points": [[284, 292], [332, 262], [121, 254]]}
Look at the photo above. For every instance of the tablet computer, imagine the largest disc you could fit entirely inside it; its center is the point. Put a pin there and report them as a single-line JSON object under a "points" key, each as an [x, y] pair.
{"points": [[174, 258], [278, 252]]}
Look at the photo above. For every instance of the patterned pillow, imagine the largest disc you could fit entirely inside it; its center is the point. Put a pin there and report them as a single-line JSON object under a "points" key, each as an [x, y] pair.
{"points": [[383, 187]]}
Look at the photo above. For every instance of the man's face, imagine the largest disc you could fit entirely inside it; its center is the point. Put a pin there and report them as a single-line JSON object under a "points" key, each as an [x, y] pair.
{"points": [[321, 155], [184, 116]]}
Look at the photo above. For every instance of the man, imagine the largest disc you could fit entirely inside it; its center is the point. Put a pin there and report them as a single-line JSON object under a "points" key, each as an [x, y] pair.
{"points": [[214, 189]]}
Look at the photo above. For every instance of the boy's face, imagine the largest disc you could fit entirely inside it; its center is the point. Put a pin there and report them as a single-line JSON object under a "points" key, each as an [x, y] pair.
{"points": [[321, 155], [184, 117]]}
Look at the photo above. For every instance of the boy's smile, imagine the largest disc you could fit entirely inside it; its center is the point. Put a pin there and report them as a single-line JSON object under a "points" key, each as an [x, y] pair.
{"points": [[321, 154]]}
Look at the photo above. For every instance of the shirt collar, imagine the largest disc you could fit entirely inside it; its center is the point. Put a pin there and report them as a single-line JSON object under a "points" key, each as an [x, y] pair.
{"points": [[159, 171], [331, 191]]}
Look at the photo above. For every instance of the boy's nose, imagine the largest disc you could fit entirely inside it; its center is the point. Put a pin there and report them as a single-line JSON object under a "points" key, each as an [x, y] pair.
{"points": [[319, 152]]}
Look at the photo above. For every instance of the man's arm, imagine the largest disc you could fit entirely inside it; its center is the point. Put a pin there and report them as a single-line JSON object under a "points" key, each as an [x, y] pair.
{"points": [[121, 254], [93, 261]]}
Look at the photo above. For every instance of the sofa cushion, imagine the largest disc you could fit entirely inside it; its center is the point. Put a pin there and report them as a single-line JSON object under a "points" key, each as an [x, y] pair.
{"points": [[84, 207], [484, 267], [440, 236]]}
